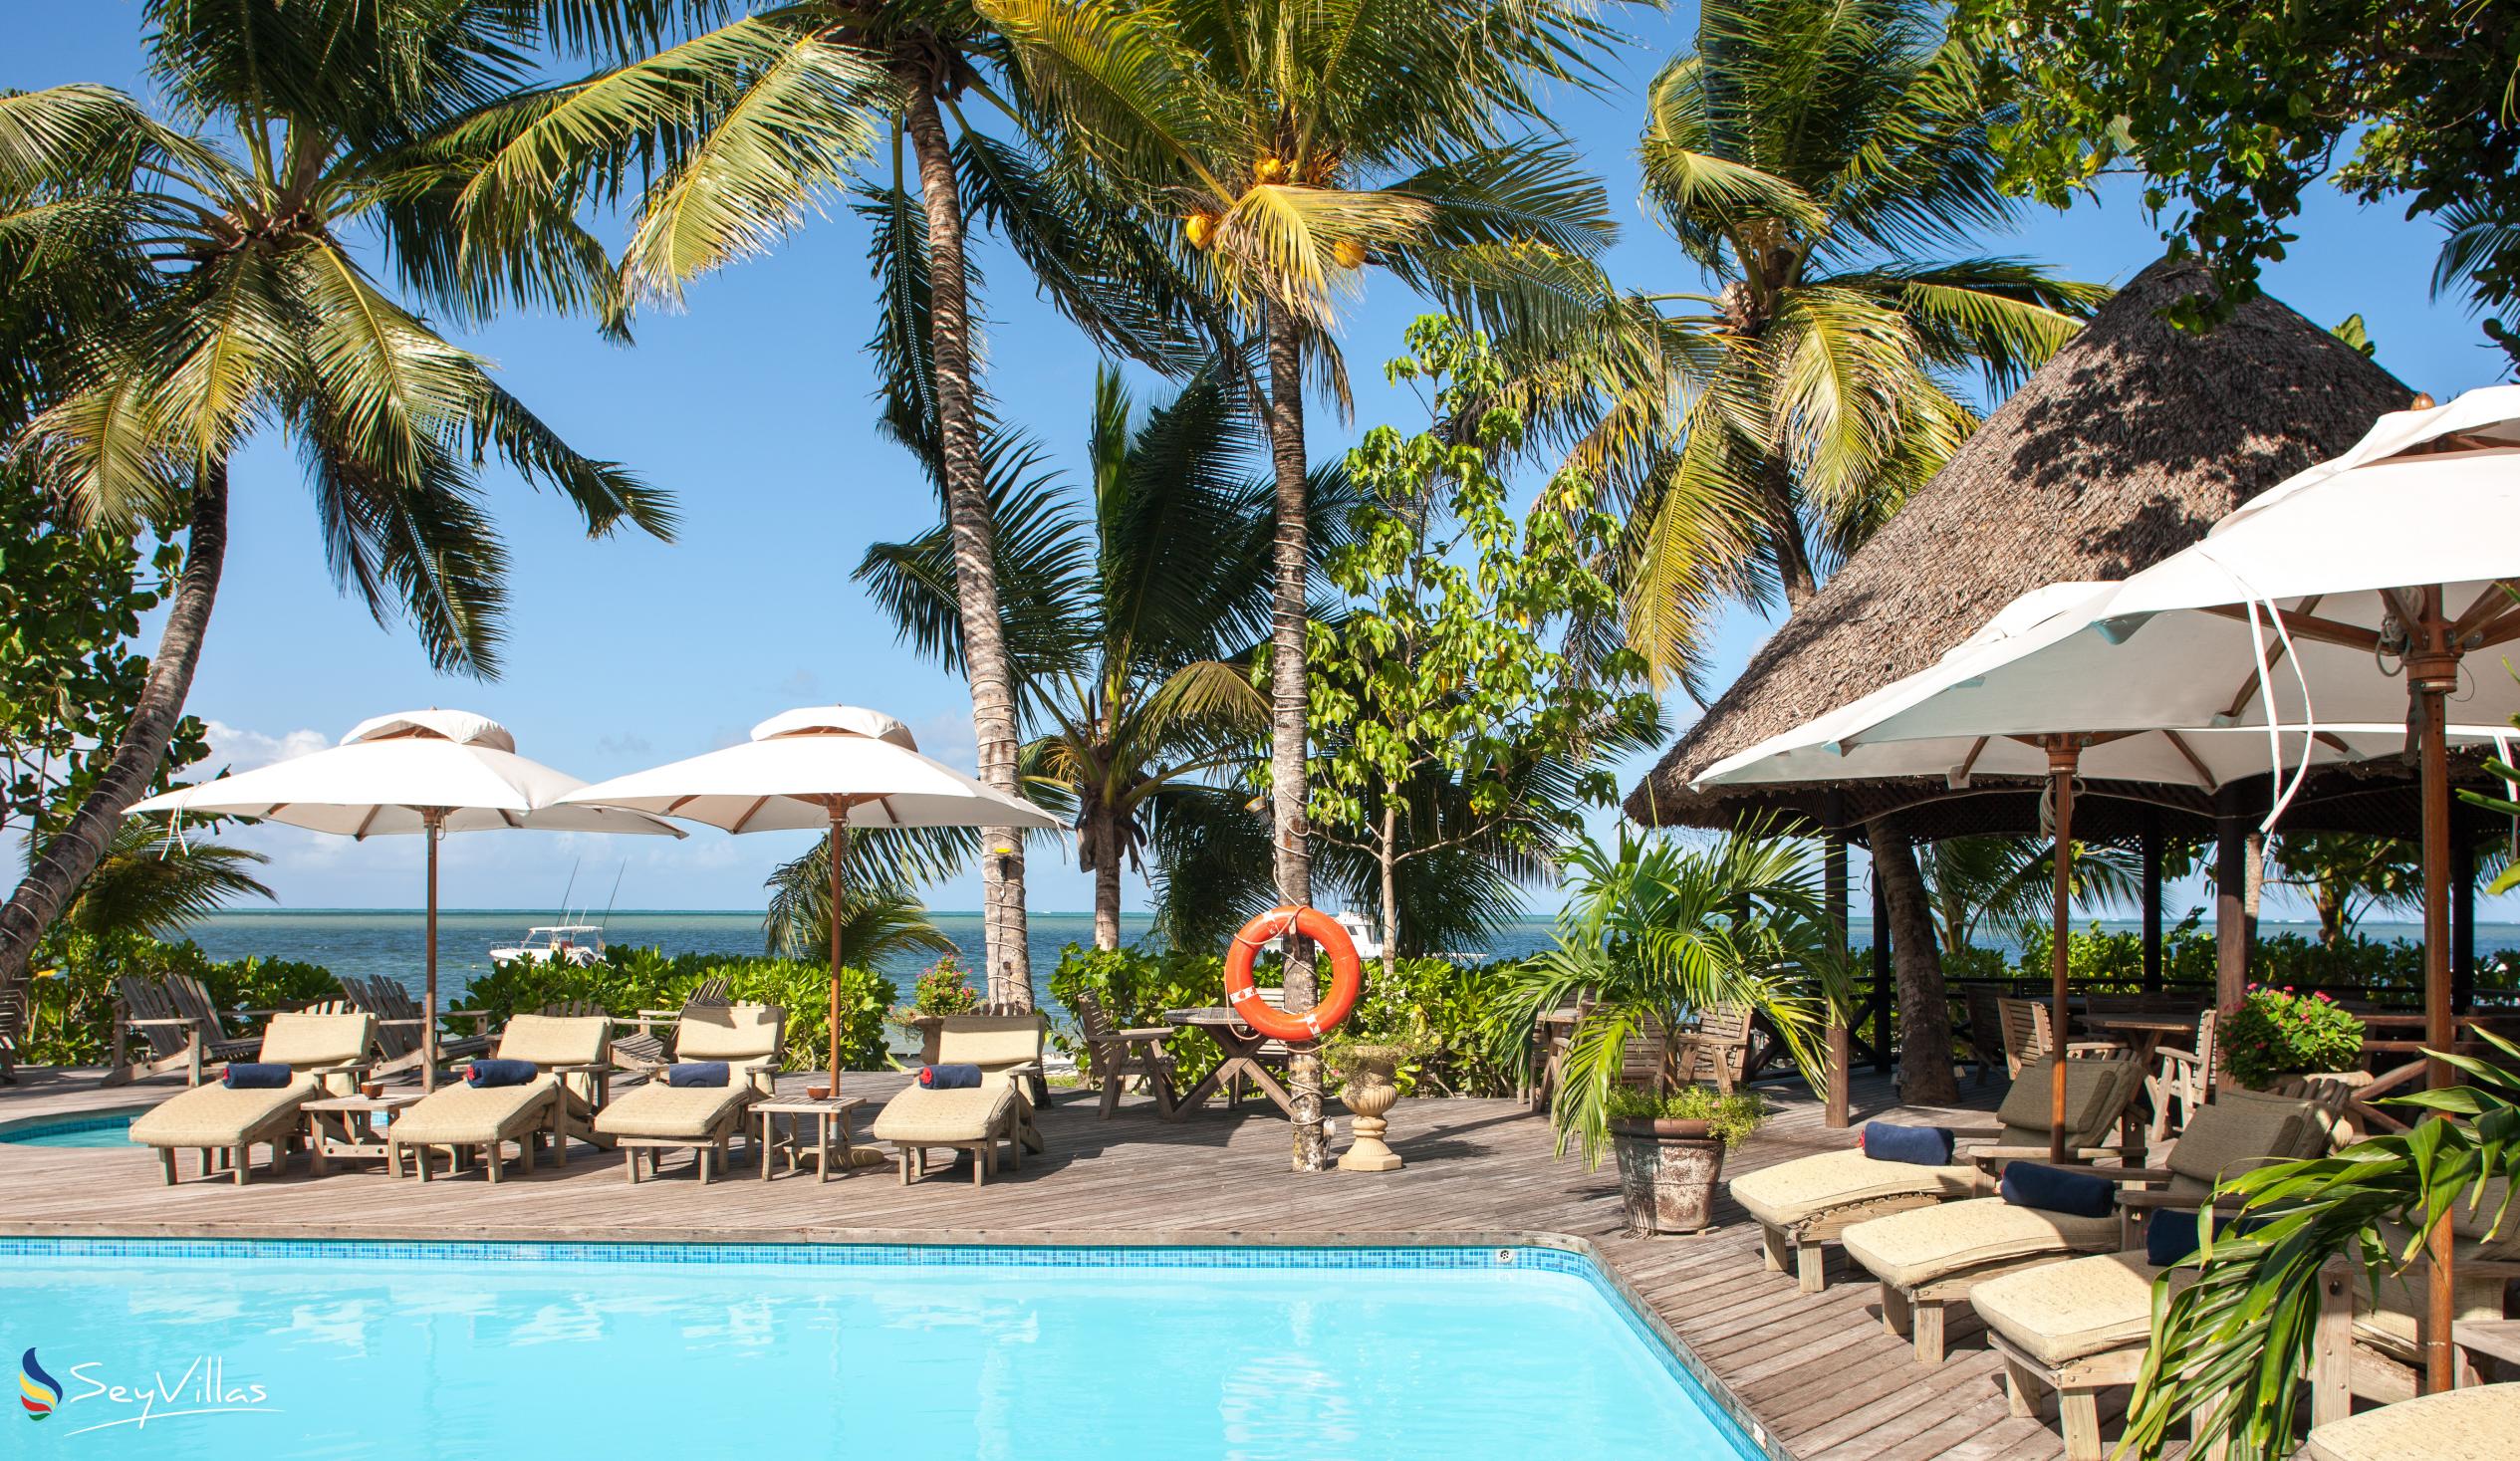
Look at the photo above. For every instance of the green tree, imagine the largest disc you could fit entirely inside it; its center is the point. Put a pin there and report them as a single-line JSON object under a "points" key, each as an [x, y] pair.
{"points": [[1132, 623], [291, 132], [881, 914], [1303, 143], [1813, 159], [2232, 111], [1653, 931], [1443, 662], [153, 879], [2345, 877], [728, 136], [2009, 883]]}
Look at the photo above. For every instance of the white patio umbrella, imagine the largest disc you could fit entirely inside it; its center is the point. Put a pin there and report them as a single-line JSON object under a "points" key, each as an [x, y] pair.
{"points": [[825, 766], [2352, 592], [415, 771]]}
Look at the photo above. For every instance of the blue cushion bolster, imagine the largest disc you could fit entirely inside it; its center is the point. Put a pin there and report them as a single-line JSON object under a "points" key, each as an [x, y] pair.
{"points": [[500, 1072], [697, 1072], [949, 1077], [1927, 1146], [2059, 1190], [258, 1076]]}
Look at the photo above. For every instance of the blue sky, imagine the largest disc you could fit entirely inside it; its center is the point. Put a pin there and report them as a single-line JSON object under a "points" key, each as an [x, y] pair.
{"points": [[752, 407]]}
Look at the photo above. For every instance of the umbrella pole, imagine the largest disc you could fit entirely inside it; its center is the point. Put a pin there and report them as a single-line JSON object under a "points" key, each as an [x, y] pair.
{"points": [[2065, 754], [838, 858], [432, 825], [2433, 673]]}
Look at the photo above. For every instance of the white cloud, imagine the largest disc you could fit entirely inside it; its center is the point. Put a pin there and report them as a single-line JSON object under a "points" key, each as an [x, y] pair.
{"points": [[234, 749]]}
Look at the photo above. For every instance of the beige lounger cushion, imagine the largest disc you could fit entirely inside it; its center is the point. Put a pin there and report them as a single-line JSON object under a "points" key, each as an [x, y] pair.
{"points": [[665, 1112], [943, 1116], [2480, 1423], [1912, 1247], [1789, 1192], [555, 1039], [989, 1040], [734, 1033], [218, 1115], [317, 1040], [465, 1115], [2065, 1311]]}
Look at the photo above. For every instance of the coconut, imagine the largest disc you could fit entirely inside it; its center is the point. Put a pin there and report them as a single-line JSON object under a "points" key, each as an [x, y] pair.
{"points": [[1201, 227], [1349, 253]]}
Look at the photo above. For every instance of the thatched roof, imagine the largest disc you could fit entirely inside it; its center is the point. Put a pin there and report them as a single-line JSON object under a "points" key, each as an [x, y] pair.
{"points": [[2122, 451]]}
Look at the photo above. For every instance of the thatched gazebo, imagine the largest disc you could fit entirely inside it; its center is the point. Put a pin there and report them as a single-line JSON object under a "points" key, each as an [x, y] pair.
{"points": [[2123, 449]]}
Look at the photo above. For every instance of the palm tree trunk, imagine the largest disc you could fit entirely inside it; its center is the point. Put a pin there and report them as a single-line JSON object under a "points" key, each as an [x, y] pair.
{"points": [[1785, 536], [1103, 832], [1924, 1018], [1009, 976], [1290, 831], [71, 853]]}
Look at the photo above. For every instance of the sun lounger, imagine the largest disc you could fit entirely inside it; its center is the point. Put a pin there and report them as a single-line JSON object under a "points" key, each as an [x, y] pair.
{"points": [[2455, 1425], [643, 1046], [560, 1100], [175, 1038], [219, 1119], [974, 1120], [1802, 1204], [1926, 1258], [659, 1117]]}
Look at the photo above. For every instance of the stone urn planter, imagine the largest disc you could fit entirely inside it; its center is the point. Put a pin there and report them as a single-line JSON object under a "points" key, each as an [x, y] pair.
{"points": [[1668, 1172], [1372, 1071]]}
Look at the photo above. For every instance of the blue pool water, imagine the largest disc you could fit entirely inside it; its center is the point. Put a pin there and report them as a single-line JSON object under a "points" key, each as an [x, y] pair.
{"points": [[95, 1128], [306, 1350]]}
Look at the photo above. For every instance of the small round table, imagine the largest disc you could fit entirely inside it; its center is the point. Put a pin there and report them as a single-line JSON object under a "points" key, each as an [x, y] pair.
{"points": [[826, 1113], [1242, 1046]]}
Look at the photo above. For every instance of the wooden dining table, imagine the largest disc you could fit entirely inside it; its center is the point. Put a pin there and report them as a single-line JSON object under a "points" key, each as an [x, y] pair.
{"points": [[2141, 1033], [1242, 1046]]}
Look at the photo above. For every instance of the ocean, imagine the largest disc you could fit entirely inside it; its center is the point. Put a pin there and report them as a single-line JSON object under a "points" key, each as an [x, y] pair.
{"points": [[388, 941]]}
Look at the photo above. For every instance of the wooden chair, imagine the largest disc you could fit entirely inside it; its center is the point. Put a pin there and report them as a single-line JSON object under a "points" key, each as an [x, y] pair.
{"points": [[1982, 1004], [1115, 1056], [2029, 1035], [1717, 1050], [1552, 1036], [174, 1038], [644, 1046], [402, 1023], [2181, 1078]]}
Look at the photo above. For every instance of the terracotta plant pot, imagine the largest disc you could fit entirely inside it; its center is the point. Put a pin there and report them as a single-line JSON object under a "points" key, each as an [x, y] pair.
{"points": [[1668, 1172]]}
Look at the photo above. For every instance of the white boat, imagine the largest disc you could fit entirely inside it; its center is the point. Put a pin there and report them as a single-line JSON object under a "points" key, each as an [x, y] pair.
{"points": [[580, 944]]}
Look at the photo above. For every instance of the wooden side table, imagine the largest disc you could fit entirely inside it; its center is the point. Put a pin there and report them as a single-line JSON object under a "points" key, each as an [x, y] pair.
{"points": [[827, 1115], [346, 1126]]}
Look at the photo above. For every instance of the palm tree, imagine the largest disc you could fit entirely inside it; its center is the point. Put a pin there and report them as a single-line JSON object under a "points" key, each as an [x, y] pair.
{"points": [[1653, 931], [1302, 142], [731, 137], [246, 308], [1136, 617], [153, 879], [1811, 157], [880, 914], [2010, 883]]}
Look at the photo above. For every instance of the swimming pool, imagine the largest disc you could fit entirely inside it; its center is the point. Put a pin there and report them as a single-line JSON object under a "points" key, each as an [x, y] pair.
{"points": [[89, 1129], [353, 1349]]}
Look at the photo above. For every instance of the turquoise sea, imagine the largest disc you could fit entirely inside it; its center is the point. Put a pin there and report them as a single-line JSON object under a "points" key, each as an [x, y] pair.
{"points": [[371, 941]]}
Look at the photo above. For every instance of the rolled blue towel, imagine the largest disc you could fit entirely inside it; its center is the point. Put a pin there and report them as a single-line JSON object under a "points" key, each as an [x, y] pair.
{"points": [[1927, 1146], [2055, 1189], [500, 1072], [2169, 1239], [696, 1073], [949, 1077], [258, 1076]]}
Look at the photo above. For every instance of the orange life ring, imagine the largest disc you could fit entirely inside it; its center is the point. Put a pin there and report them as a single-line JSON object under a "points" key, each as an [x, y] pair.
{"points": [[1347, 979]]}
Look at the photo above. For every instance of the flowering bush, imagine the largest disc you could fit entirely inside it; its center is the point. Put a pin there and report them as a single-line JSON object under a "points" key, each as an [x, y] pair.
{"points": [[2275, 1032]]}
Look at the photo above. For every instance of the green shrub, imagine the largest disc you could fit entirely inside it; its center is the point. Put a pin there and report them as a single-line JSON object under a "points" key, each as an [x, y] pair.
{"points": [[71, 1001], [945, 989], [629, 979], [1732, 1118], [2275, 1032], [1433, 1005]]}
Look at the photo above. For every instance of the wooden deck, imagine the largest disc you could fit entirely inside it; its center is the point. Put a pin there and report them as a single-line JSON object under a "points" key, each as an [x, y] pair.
{"points": [[1817, 1372]]}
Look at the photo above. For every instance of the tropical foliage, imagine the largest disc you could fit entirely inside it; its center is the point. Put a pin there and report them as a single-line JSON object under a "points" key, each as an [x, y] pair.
{"points": [[197, 273], [2008, 884], [1655, 932], [647, 979], [2233, 111], [71, 1000], [1447, 715], [2229, 1349], [1730, 1119], [2276, 1032], [1814, 160]]}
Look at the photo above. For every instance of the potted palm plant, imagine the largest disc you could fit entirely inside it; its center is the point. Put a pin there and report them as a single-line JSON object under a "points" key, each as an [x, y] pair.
{"points": [[1653, 932]]}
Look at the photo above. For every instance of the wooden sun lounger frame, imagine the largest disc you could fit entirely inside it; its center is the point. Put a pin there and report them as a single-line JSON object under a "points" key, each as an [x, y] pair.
{"points": [[178, 1023]]}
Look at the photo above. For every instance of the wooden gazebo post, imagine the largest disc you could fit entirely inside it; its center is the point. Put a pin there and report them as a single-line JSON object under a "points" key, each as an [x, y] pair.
{"points": [[1834, 889]]}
